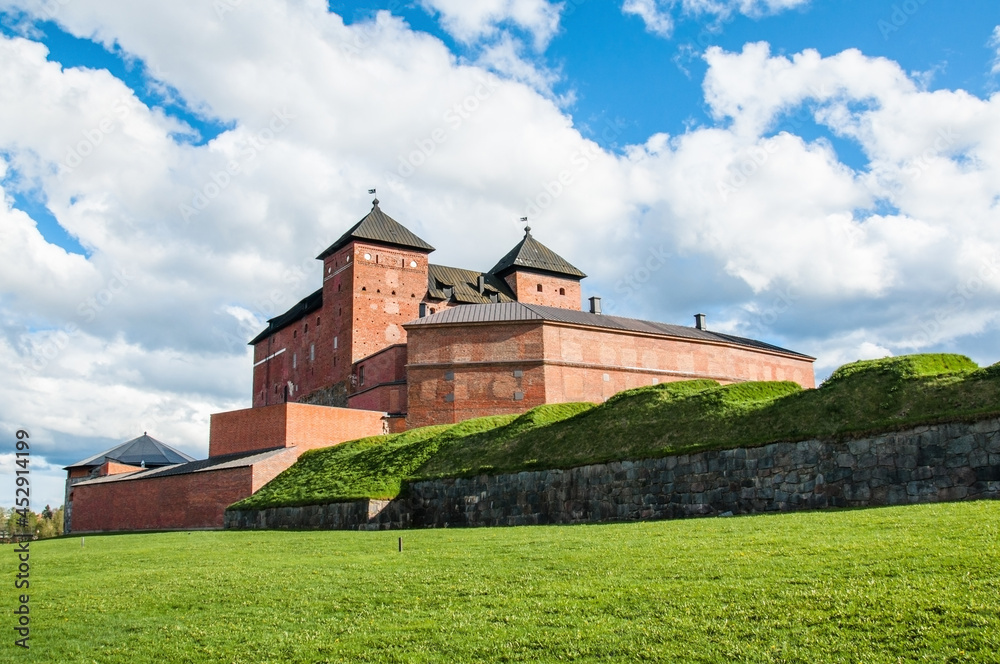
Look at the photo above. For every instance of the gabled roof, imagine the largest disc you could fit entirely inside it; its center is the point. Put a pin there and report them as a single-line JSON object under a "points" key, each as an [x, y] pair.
{"points": [[305, 306], [512, 312], [464, 285], [136, 451], [377, 226], [237, 460], [533, 255]]}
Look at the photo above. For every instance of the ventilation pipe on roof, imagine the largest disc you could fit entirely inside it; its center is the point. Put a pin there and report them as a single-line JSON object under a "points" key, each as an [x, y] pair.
{"points": [[699, 321], [481, 284], [423, 309], [595, 305]]}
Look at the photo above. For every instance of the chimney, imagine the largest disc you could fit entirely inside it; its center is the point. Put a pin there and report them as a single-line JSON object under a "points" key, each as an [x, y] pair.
{"points": [[481, 284], [595, 305], [423, 309], [699, 321]]}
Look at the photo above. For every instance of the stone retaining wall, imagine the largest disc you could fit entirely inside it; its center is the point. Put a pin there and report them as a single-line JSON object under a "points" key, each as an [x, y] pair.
{"points": [[945, 462]]}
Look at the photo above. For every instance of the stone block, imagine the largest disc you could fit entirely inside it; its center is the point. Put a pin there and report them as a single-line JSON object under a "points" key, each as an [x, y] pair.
{"points": [[845, 460], [859, 447]]}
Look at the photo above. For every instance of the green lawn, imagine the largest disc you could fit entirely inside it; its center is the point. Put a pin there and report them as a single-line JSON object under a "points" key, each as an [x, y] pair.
{"points": [[903, 584], [671, 418]]}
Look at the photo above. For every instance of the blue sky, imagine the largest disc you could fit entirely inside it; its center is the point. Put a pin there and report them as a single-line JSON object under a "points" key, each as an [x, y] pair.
{"points": [[818, 174]]}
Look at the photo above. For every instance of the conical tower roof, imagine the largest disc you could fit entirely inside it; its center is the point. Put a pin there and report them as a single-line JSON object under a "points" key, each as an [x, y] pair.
{"points": [[134, 452], [533, 255], [377, 226]]}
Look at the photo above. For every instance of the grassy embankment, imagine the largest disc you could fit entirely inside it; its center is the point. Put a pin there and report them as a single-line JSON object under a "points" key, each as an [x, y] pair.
{"points": [[659, 420], [904, 584]]}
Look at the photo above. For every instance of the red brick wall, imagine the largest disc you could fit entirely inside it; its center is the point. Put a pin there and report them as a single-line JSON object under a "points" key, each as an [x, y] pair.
{"points": [[113, 468], [267, 470], [365, 303], [477, 364], [578, 359], [482, 360], [310, 427], [197, 500], [525, 286], [289, 425], [388, 290], [246, 430]]}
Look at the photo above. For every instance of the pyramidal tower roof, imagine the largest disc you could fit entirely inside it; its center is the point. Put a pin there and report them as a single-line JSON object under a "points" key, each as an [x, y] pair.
{"points": [[533, 255], [377, 226], [134, 452]]}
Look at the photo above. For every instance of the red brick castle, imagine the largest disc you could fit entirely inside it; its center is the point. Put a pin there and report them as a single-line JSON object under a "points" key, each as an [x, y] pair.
{"points": [[391, 331], [391, 341]]}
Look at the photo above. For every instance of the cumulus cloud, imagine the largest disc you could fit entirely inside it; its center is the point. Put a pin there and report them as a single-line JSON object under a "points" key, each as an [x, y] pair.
{"points": [[192, 247], [472, 22], [659, 15]]}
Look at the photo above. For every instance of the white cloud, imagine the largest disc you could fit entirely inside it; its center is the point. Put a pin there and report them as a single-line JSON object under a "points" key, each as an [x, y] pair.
{"points": [[472, 22], [767, 227], [659, 15]]}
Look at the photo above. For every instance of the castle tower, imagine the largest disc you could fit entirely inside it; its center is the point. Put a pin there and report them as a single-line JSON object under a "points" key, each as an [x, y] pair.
{"points": [[538, 275], [374, 278]]}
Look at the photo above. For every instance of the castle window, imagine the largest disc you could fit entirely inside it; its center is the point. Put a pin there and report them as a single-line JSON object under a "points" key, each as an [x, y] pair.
{"points": [[295, 361], [364, 288], [539, 288], [312, 352], [295, 333], [335, 342], [368, 257], [307, 328], [361, 375], [562, 291], [338, 287], [413, 263], [317, 321]]}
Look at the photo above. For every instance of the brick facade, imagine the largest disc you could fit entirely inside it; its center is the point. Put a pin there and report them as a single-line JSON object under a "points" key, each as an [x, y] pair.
{"points": [[296, 425], [547, 290], [457, 372], [197, 500]]}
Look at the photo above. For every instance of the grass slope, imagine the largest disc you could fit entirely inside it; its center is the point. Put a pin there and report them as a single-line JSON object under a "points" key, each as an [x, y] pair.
{"points": [[903, 584], [689, 416], [659, 420], [376, 467]]}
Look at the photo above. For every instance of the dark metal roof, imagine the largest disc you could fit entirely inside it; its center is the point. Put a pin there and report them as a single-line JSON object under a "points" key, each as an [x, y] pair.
{"points": [[239, 460], [510, 312], [532, 254], [134, 452], [464, 285], [377, 226], [305, 306]]}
